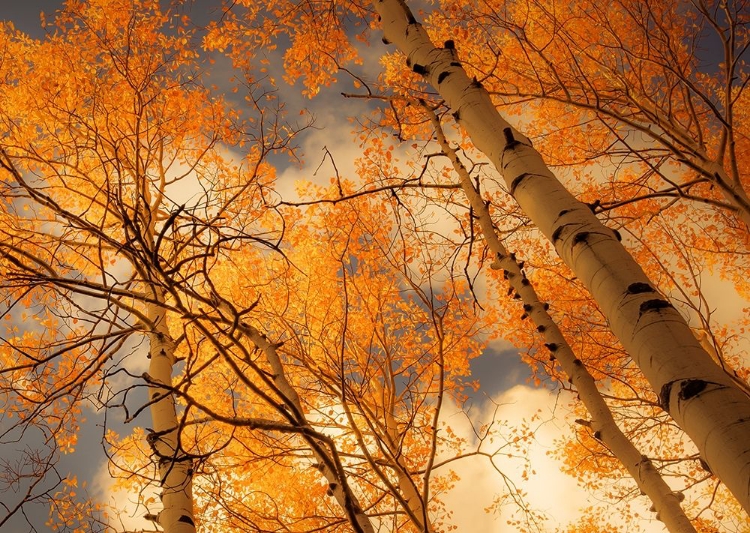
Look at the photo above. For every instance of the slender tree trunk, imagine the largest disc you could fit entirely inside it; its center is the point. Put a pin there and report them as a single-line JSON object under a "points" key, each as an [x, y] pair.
{"points": [[700, 397], [411, 495], [602, 424], [328, 463], [175, 467]]}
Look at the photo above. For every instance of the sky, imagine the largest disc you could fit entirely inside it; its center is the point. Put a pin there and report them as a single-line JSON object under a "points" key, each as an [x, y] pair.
{"points": [[25, 14], [500, 372]]}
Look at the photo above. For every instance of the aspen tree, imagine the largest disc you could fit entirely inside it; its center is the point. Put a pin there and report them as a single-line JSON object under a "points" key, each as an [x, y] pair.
{"points": [[95, 177], [698, 395], [666, 502]]}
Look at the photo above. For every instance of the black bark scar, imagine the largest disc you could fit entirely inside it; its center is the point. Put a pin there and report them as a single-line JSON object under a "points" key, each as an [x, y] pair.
{"points": [[691, 388], [654, 305], [517, 181], [666, 390], [639, 288]]}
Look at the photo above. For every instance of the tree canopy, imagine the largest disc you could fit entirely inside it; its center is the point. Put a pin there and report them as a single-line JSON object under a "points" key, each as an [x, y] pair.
{"points": [[276, 249]]}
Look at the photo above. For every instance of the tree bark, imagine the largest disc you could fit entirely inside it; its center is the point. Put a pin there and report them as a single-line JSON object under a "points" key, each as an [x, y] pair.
{"points": [[328, 463], [175, 467], [700, 397], [665, 501]]}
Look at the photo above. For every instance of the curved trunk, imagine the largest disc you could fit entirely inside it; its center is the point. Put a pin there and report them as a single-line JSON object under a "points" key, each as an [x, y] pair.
{"points": [[700, 397]]}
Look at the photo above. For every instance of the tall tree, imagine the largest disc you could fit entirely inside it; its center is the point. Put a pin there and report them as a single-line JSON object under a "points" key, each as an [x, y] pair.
{"points": [[101, 153], [315, 352], [372, 350], [105, 122], [689, 385], [701, 398]]}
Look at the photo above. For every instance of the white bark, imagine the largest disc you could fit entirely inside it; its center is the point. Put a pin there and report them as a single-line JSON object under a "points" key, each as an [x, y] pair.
{"points": [[328, 463], [666, 503], [175, 468], [700, 397]]}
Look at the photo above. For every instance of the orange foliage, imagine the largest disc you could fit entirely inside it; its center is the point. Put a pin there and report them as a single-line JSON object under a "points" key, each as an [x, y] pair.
{"points": [[121, 179]]}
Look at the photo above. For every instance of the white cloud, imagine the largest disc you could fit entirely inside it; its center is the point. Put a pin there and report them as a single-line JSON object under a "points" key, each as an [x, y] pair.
{"points": [[125, 511], [549, 491]]}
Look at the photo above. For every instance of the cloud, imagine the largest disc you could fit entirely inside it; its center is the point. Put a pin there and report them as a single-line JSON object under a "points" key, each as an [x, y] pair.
{"points": [[125, 511], [549, 491], [471, 500]]}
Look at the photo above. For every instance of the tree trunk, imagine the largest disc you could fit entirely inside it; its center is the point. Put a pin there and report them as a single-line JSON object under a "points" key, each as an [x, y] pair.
{"points": [[175, 467], [700, 397], [328, 463], [666, 502], [411, 496]]}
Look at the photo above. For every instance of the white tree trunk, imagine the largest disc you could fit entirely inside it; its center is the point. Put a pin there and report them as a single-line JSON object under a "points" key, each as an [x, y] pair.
{"points": [[700, 397], [175, 468], [666, 503], [327, 462], [412, 498]]}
